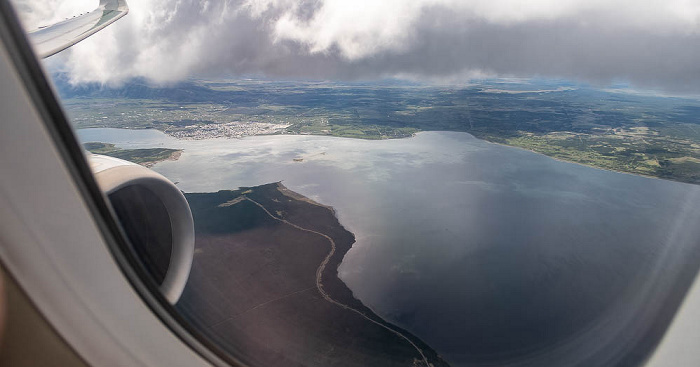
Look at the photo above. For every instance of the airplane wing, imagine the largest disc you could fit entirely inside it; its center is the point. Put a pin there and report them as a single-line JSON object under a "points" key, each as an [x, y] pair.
{"points": [[55, 38]]}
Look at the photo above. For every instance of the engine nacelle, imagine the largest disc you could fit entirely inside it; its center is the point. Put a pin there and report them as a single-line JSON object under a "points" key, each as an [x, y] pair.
{"points": [[154, 215]]}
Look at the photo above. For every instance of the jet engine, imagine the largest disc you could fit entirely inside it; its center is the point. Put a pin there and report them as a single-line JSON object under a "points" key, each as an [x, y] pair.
{"points": [[155, 217]]}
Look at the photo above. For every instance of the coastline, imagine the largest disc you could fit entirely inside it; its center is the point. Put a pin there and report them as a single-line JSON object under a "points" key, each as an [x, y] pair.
{"points": [[583, 164], [164, 131], [329, 298], [174, 156], [510, 146], [329, 270], [289, 234]]}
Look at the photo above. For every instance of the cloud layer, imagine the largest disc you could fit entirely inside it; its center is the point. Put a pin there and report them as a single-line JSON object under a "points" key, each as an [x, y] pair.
{"points": [[651, 43]]}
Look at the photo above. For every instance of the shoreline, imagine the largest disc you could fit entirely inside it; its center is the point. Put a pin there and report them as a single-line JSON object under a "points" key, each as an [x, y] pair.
{"points": [[327, 297], [174, 156], [400, 138], [331, 264], [285, 238], [584, 164]]}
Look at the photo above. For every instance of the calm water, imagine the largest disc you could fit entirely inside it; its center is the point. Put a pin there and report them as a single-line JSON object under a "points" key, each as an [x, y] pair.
{"points": [[479, 249]]}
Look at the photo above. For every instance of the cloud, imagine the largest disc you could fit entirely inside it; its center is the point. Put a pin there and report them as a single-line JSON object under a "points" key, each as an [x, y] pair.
{"points": [[652, 43]]}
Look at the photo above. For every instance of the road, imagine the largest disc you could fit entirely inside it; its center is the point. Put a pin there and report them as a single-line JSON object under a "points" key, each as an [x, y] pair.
{"points": [[319, 284]]}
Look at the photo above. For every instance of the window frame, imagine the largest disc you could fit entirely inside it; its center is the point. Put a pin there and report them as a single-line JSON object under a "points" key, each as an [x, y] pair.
{"points": [[65, 148]]}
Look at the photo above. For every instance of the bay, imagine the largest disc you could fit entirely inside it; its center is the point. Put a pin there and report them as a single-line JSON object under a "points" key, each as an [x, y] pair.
{"points": [[480, 250]]}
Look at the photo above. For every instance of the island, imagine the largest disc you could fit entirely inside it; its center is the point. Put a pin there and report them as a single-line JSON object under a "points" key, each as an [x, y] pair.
{"points": [[264, 285], [145, 157]]}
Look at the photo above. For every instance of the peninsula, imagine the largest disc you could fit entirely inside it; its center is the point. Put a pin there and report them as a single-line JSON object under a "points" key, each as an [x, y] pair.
{"points": [[145, 157], [264, 285]]}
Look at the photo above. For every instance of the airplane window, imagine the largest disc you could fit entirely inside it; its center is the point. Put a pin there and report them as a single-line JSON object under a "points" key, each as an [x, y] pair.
{"points": [[428, 183]]}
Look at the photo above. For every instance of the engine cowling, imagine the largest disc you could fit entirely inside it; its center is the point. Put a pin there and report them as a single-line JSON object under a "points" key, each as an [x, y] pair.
{"points": [[154, 215]]}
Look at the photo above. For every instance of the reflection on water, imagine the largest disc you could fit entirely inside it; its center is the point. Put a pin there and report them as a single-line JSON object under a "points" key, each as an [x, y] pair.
{"points": [[478, 249]]}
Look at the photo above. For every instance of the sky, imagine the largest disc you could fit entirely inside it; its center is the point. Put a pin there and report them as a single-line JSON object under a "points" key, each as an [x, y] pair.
{"points": [[652, 44]]}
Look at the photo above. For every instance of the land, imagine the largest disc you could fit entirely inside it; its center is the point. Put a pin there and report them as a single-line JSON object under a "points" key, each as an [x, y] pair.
{"points": [[145, 157], [264, 285], [649, 135]]}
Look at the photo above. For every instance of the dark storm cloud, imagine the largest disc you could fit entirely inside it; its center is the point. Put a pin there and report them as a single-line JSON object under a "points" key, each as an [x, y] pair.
{"points": [[650, 44]]}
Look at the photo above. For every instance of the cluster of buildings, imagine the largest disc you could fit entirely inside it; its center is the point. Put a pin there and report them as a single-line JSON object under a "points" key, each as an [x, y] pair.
{"points": [[226, 130]]}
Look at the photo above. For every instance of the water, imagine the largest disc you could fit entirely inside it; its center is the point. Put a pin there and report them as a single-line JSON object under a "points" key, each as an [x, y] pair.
{"points": [[478, 249]]}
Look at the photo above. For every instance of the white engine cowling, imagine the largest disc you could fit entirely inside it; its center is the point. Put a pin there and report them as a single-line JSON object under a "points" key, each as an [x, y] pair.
{"points": [[154, 215]]}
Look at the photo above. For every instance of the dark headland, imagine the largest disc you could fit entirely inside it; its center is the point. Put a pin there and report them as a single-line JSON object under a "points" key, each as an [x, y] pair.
{"points": [[264, 285]]}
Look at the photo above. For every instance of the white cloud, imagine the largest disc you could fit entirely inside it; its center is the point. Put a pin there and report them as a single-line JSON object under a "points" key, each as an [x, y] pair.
{"points": [[650, 43], [361, 28], [35, 14]]}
